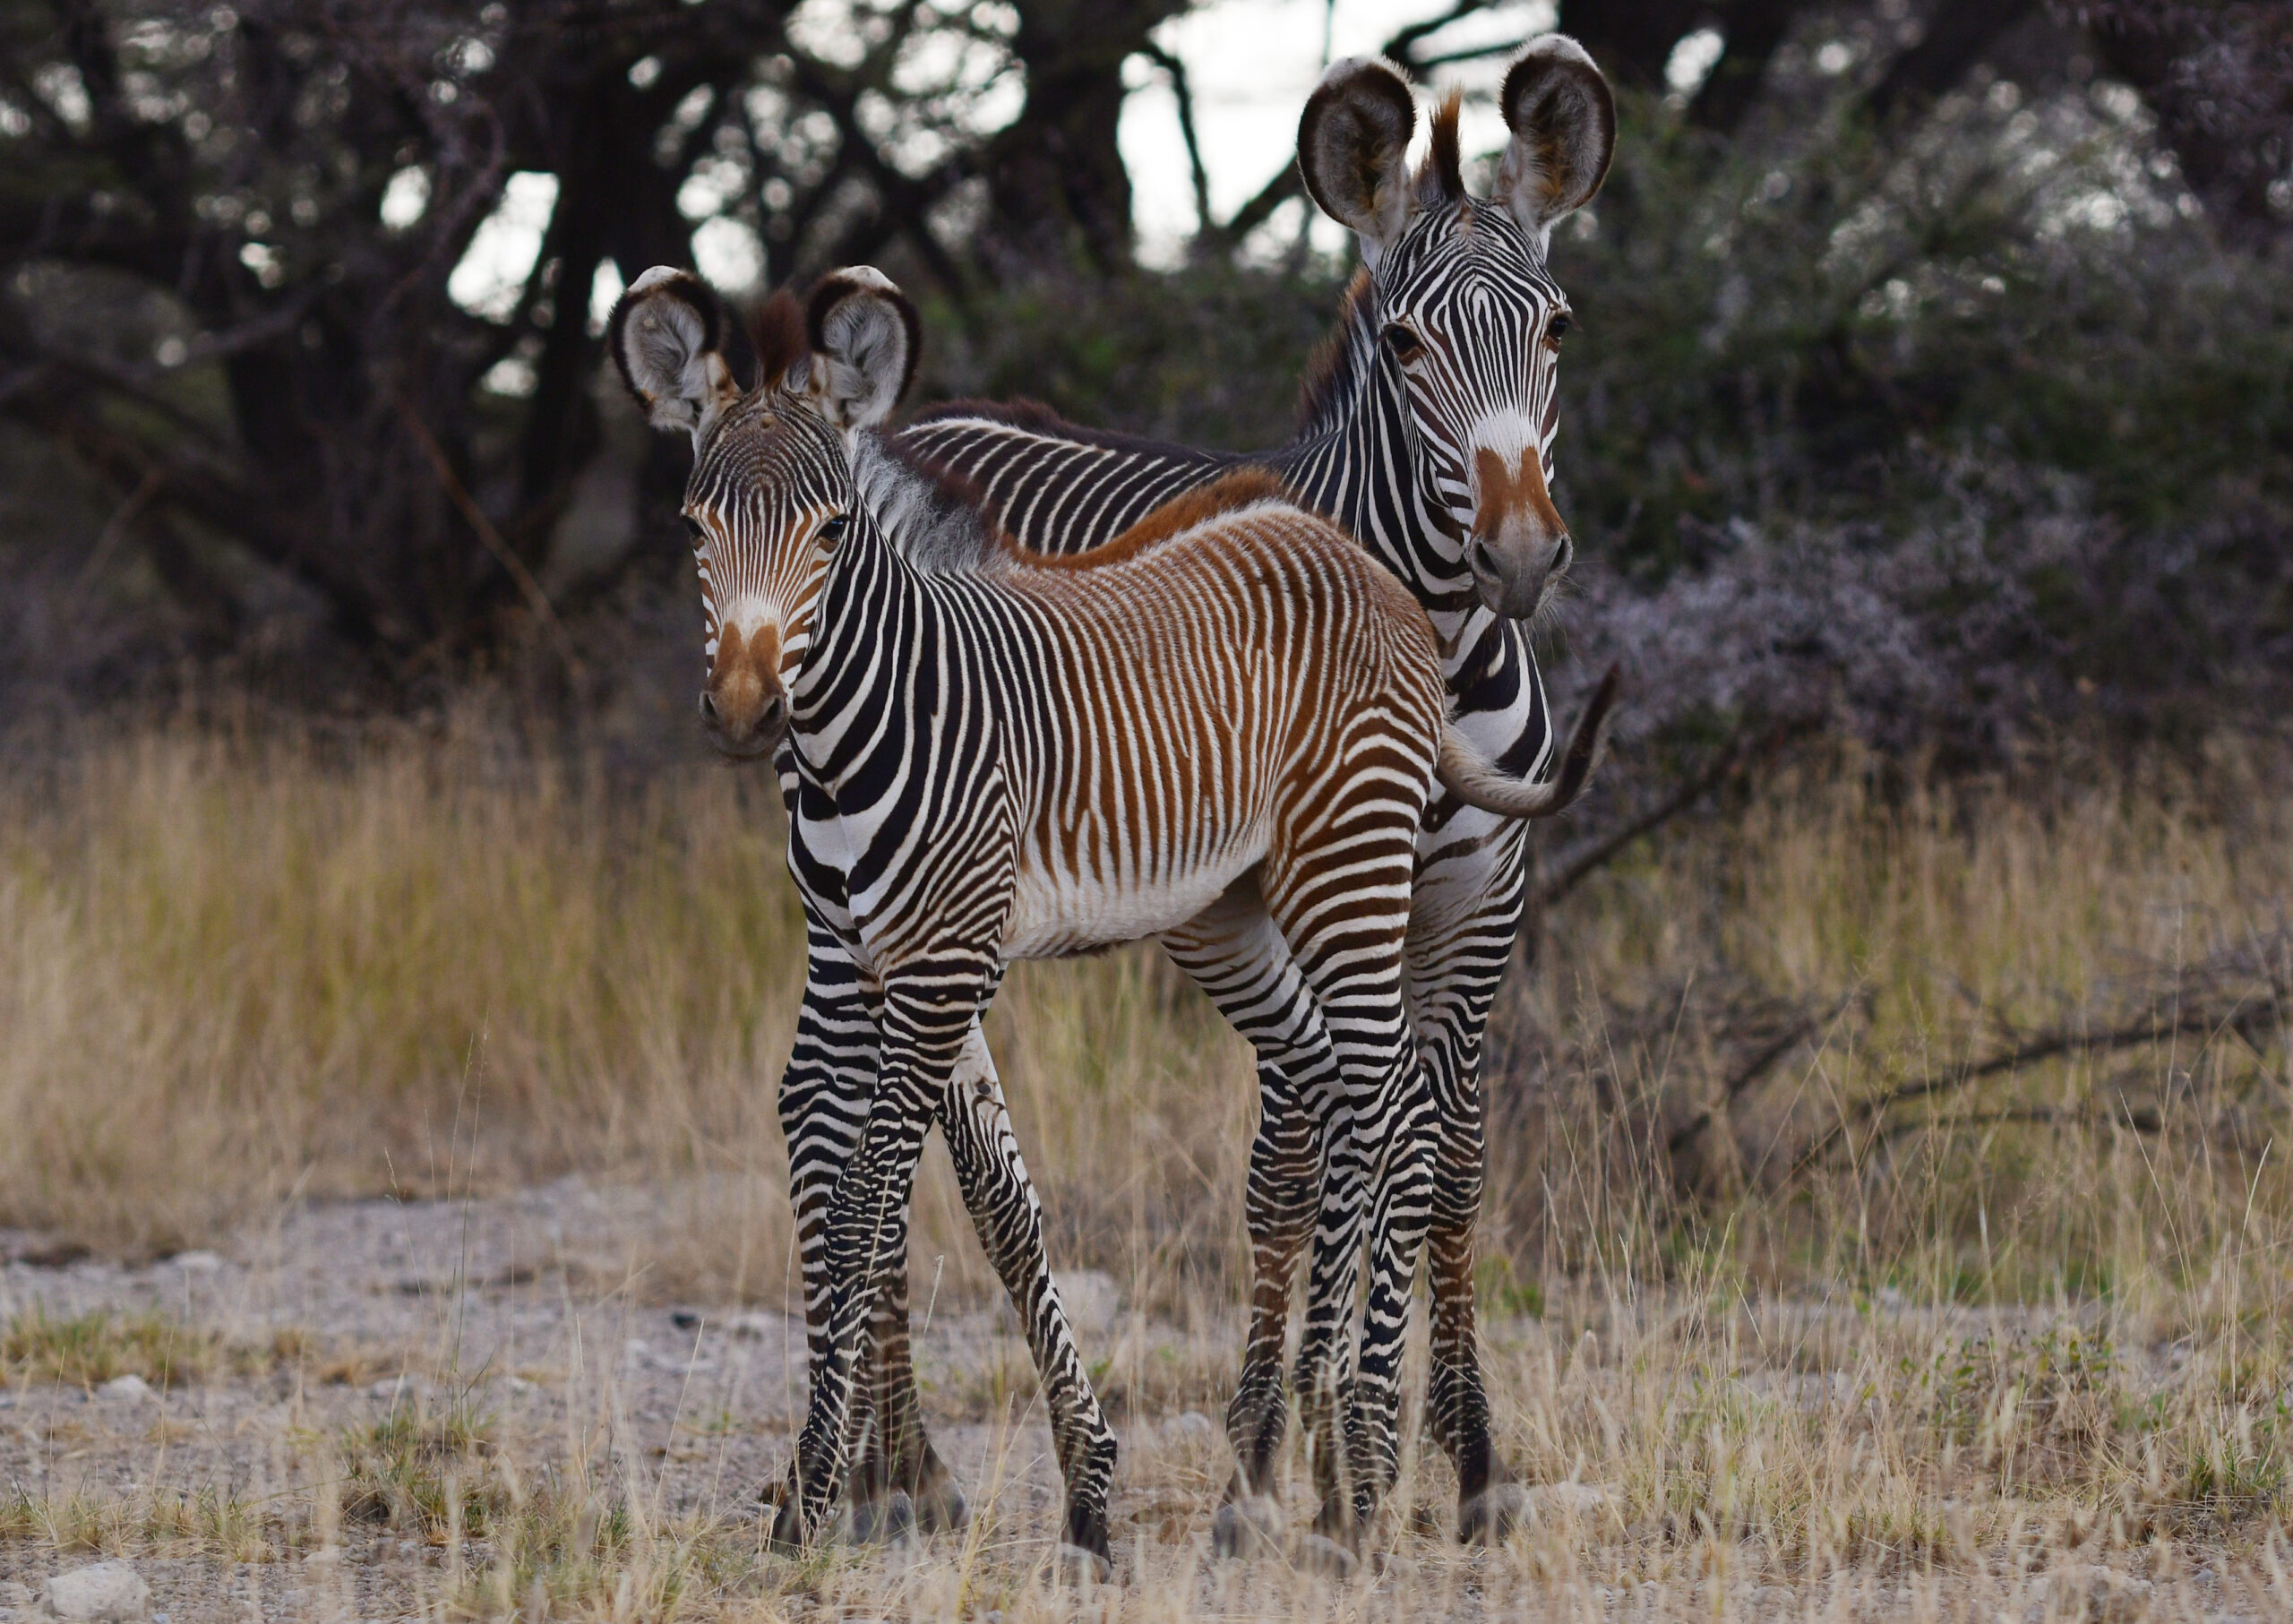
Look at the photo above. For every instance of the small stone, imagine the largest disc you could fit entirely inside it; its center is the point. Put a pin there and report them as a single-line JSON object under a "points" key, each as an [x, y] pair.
{"points": [[1071, 1565], [1251, 1526], [521, 1386], [754, 1325], [1091, 1298], [126, 1390], [197, 1262], [1324, 1557], [15, 1595], [1191, 1427], [324, 1558], [113, 1592]]}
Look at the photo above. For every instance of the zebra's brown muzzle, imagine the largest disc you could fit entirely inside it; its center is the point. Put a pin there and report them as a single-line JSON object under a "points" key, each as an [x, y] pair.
{"points": [[744, 705], [1518, 545]]}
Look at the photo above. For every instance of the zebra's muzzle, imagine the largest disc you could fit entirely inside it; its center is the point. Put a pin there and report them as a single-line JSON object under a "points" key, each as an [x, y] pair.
{"points": [[743, 705]]}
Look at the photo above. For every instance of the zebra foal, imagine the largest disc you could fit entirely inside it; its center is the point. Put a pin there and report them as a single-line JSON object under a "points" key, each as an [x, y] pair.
{"points": [[991, 756]]}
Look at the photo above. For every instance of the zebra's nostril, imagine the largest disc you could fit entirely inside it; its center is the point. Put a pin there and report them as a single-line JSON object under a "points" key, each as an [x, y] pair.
{"points": [[708, 705], [774, 710], [1562, 554]]}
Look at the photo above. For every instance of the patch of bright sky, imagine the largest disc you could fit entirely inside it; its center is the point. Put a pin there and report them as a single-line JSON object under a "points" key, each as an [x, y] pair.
{"points": [[1251, 64]]}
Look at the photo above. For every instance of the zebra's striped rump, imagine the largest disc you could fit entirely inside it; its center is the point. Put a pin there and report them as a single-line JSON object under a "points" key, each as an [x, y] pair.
{"points": [[989, 756]]}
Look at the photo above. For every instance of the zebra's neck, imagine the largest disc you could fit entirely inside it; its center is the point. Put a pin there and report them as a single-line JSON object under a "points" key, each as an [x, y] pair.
{"points": [[1357, 461]]}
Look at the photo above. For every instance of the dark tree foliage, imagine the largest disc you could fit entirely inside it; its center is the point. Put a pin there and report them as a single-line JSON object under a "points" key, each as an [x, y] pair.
{"points": [[1934, 351], [208, 313]]}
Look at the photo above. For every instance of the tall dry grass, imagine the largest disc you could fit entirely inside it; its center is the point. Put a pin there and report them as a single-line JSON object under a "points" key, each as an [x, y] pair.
{"points": [[2027, 1320], [234, 970]]}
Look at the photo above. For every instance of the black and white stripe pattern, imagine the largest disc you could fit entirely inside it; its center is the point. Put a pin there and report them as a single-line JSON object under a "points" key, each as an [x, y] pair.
{"points": [[1231, 719]]}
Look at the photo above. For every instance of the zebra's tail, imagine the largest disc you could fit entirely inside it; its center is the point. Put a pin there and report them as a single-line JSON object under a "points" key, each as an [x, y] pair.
{"points": [[1470, 776]]}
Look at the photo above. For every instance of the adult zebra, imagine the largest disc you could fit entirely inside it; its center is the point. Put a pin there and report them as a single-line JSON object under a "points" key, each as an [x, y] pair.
{"points": [[1427, 433], [992, 756]]}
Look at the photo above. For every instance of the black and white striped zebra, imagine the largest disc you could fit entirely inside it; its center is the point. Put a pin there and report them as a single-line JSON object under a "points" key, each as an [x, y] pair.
{"points": [[992, 756], [1427, 432]]}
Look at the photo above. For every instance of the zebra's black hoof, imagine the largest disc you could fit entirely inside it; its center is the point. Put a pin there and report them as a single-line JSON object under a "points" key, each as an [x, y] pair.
{"points": [[789, 1525], [880, 1521], [1488, 1518], [942, 1508], [1252, 1526], [1324, 1557]]}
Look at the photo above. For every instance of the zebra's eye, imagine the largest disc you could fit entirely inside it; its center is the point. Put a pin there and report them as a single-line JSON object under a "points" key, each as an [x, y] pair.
{"points": [[1557, 328], [1406, 345], [693, 532], [832, 528]]}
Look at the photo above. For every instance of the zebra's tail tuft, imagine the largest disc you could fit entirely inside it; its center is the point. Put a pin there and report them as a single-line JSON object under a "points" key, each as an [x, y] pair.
{"points": [[1470, 776]]}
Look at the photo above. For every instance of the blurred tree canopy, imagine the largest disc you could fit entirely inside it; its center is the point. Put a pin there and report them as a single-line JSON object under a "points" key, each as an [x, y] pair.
{"points": [[1935, 352]]}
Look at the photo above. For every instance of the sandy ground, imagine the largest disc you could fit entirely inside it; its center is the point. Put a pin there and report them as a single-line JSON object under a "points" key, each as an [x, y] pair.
{"points": [[685, 1410]]}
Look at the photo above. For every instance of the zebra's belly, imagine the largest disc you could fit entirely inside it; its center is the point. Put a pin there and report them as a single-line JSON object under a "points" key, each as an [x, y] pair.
{"points": [[1056, 916]]}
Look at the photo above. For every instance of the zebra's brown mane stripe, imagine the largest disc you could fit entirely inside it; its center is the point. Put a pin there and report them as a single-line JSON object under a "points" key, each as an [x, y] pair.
{"points": [[1244, 487]]}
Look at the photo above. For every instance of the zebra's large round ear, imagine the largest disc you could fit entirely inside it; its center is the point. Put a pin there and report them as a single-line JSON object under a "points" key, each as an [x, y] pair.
{"points": [[866, 339], [1353, 149], [1563, 120], [666, 335]]}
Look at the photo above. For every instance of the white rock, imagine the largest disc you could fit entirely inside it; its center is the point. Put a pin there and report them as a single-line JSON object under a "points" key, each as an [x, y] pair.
{"points": [[1091, 1300], [126, 1390], [197, 1262], [107, 1591], [14, 1594]]}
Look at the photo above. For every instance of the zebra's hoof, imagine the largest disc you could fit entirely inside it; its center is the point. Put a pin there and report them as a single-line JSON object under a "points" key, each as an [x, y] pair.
{"points": [[880, 1521], [1489, 1516], [1078, 1569], [1250, 1526], [788, 1525], [1325, 1558], [942, 1508]]}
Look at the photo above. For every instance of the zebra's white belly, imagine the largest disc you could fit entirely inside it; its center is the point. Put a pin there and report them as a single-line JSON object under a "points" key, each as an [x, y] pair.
{"points": [[1055, 915]]}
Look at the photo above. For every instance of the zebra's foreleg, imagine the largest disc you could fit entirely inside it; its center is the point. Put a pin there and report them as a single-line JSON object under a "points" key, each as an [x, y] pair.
{"points": [[1008, 1216], [922, 1038], [824, 1097], [1464, 917]]}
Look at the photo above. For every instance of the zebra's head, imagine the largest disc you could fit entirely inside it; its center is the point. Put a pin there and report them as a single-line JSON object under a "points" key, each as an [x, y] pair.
{"points": [[1464, 321], [771, 490]]}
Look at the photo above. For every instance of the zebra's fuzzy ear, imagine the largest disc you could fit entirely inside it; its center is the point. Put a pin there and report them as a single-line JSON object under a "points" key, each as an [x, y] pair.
{"points": [[668, 336], [1353, 149], [866, 339], [1563, 121]]}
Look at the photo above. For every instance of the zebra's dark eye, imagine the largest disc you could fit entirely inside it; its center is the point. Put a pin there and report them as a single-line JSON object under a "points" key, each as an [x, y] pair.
{"points": [[1557, 328], [693, 532], [1406, 345], [832, 528]]}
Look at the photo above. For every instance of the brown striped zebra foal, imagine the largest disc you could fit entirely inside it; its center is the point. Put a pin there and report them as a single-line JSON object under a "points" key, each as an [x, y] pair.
{"points": [[1230, 712]]}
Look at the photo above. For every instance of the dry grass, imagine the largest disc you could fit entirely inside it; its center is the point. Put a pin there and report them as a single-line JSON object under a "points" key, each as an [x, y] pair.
{"points": [[2020, 1322]]}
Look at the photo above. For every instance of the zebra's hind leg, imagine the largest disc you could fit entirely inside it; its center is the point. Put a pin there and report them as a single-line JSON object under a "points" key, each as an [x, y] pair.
{"points": [[1360, 848], [1244, 964], [1008, 1216]]}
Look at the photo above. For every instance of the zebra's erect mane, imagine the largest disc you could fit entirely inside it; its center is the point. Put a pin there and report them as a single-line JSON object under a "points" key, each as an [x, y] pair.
{"points": [[931, 515], [1331, 377]]}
